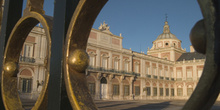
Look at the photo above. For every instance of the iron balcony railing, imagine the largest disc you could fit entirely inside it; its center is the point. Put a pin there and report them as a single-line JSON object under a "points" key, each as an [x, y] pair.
{"points": [[155, 77], [27, 59], [91, 68], [112, 71], [149, 76], [179, 79]]}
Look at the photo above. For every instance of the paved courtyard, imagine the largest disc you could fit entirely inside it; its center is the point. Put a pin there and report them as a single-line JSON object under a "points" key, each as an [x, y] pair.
{"points": [[133, 105], [144, 105]]}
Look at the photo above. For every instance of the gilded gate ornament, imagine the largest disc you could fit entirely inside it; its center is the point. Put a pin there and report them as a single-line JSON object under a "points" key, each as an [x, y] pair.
{"points": [[11, 57], [75, 58], [208, 87]]}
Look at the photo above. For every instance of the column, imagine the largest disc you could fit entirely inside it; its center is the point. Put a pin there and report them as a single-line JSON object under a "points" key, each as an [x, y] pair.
{"points": [[121, 63], [142, 70], [195, 78], [110, 94], [142, 86], [110, 61], [121, 88], [158, 90], [184, 72], [151, 71], [97, 87], [98, 58], [131, 88], [157, 71]]}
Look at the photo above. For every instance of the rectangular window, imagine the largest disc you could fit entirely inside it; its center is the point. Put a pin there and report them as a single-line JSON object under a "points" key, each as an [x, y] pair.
{"points": [[161, 91], [136, 68], [179, 75], [189, 73], [116, 64], [199, 73], [154, 71], [160, 72], [179, 92], [148, 91], [172, 92], [154, 91], [115, 89], [125, 66], [26, 85], [28, 50], [189, 91], [126, 90], [166, 73], [104, 63], [167, 91], [92, 61], [171, 74], [137, 90], [147, 70], [91, 88]]}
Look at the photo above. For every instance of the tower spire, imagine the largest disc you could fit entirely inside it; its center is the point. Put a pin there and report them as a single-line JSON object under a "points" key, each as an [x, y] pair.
{"points": [[166, 28]]}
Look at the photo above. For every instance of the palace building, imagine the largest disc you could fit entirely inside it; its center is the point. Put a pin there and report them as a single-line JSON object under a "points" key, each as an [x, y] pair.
{"points": [[166, 72]]}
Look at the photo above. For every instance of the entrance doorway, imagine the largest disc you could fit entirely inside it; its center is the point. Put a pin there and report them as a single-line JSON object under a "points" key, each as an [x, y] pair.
{"points": [[103, 88]]}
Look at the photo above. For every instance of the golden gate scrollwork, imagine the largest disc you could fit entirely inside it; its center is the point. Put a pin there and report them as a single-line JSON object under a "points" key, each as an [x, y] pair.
{"points": [[11, 58], [75, 58]]}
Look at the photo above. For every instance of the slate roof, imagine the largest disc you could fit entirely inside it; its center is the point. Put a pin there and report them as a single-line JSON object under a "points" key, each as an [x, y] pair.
{"points": [[191, 56]]}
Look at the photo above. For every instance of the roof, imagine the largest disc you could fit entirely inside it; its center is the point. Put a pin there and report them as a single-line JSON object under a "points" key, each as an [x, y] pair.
{"points": [[166, 33], [191, 56]]}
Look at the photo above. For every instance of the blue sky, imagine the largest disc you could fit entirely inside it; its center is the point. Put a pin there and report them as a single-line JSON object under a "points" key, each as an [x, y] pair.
{"points": [[141, 21]]}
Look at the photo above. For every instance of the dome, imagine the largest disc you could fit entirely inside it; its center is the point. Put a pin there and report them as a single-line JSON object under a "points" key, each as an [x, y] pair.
{"points": [[166, 33], [166, 36]]}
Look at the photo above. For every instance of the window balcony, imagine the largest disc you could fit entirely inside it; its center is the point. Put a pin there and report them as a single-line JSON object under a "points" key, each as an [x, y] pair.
{"points": [[179, 79], [149, 76], [27, 59], [112, 71], [167, 78], [155, 77], [189, 79], [161, 77], [137, 74], [172, 79]]}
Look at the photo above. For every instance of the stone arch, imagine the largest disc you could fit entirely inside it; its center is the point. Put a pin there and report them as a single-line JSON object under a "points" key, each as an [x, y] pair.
{"points": [[154, 84], [147, 83], [26, 72], [125, 82], [115, 81], [91, 78]]}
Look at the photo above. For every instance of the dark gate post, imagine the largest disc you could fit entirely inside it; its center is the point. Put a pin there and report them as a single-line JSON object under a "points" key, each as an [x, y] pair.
{"points": [[12, 13], [63, 11]]}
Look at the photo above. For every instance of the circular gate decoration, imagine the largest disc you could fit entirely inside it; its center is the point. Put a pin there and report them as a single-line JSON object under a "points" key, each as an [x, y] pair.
{"points": [[75, 58], [11, 58]]}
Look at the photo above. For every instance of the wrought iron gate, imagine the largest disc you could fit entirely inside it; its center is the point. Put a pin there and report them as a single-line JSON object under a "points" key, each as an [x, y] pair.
{"points": [[67, 34]]}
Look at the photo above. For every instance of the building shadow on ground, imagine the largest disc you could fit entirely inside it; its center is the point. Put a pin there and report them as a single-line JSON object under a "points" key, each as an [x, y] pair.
{"points": [[153, 106], [114, 105]]}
